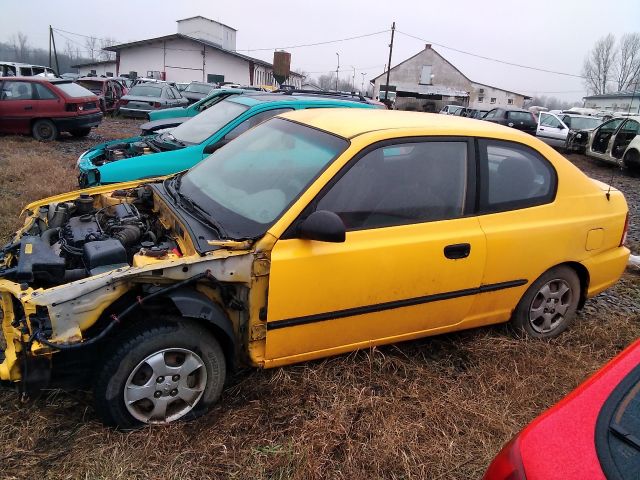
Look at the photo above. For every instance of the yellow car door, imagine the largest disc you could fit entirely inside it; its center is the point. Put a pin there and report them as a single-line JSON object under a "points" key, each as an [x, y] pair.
{"points": [[411, 265]]}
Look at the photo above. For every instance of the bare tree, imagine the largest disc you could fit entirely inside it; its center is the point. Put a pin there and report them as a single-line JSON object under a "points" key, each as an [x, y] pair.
{"points": [[598, 66], [20, 44], [104, 43], [328, 82], [91, 45], [627, 67], [70, 51]]}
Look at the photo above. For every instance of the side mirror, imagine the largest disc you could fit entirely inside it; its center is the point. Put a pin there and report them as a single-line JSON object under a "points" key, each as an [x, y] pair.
{"points": [[561, 127], [209, 149], [323, 226]]}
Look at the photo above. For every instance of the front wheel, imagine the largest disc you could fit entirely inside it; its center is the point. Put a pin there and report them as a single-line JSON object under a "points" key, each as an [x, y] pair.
{"points": [[632, 160], [44, 130], [173, 370], [549, 305]]}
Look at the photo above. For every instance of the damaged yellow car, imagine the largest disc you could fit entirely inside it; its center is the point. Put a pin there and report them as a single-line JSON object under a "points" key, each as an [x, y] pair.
{"points": [[315, 233]]}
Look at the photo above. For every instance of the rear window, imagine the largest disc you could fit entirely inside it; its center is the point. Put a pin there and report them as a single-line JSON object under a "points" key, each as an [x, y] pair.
{"points": [[198, 88], [145, 91], [74, 90], [520, 116], [618, 430], [95, 87]]}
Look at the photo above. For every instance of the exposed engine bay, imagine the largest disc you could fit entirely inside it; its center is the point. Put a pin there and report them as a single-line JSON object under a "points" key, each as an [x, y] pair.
{"points": [[119, 151], [87, 236]]}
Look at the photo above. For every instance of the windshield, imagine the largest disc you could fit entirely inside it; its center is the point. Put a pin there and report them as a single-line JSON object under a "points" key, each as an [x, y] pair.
{"points": [[198, 88], [145, 91], [74, 90], [582, 123], [250, 182], [201, 127]]}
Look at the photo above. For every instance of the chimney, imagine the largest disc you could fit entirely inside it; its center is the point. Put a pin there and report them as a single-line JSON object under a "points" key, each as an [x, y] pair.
{"points": [[427, 46]]}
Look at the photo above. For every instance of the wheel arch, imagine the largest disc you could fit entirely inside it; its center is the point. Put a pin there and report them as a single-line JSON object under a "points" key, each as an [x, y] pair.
{"points": [[192, 304], [583, 276]]}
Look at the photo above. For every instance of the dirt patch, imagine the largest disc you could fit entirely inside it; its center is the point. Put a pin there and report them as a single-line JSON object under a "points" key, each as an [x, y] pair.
{"points": [[437, 408]]}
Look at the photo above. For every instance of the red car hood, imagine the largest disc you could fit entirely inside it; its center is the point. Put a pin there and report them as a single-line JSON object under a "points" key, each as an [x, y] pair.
{"points": [[560, 444]]}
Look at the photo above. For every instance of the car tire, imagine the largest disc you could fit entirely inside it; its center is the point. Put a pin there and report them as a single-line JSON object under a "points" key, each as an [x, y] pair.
{"points": [[80, 132], [175, 366], [44, 130], [632, 160], [549, 305]]}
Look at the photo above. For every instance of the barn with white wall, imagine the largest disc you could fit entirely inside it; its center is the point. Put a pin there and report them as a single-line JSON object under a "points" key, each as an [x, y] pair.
{"points": [[106, 68], [202, 50]]}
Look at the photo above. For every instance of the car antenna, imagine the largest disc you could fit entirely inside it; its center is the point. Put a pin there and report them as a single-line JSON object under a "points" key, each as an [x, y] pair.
{"points": [[633, 94]]}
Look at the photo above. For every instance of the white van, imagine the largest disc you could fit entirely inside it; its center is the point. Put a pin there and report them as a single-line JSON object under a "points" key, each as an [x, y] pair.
{"points": [[15, 69]]}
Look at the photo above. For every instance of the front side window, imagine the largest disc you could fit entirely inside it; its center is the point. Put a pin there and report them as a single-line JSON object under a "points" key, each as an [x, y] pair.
{"points": [[611, 125], [249, 183], [253, 121], [199, 128], [549, 121], [401, 184], [514, 176], [17, 91]]}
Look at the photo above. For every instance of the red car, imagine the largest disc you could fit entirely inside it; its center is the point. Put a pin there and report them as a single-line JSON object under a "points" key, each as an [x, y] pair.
{"points": [[108, 90], [45, 107], [592, 434]]}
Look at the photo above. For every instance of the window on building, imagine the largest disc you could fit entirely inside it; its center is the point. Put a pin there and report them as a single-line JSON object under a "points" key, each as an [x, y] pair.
{"points": [[510, 101], [481, 90], [94, 72], [109, 74], [480, 99], [398, 185], [517, 176], [493, 99], [214, 78], [425, 75]]}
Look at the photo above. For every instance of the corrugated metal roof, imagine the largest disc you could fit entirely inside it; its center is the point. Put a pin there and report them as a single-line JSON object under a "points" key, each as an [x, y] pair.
{"points": [[622, 94]]}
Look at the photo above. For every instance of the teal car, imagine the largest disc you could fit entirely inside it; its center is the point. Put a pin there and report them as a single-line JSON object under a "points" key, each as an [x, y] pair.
{"points": [[189, 143], [194, 109]]}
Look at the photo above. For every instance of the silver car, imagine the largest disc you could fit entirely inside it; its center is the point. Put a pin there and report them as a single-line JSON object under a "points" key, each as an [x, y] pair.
{"points": [[146, 97]]}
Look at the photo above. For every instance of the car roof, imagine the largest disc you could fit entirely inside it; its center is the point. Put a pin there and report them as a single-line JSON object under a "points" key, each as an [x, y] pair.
{"points": [[349, 123], [95, 79], [258, 98]]}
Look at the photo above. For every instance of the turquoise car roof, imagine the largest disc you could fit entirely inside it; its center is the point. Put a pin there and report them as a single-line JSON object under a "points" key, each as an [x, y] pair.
{"points": [[263, 98]]}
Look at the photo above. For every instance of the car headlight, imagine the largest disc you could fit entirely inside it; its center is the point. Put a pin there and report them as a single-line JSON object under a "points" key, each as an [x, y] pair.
{"points": [[80, 158], [579, 135]]}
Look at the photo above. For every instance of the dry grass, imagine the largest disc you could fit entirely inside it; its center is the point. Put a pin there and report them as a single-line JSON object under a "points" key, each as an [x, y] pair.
{"points": [[438, 408]]}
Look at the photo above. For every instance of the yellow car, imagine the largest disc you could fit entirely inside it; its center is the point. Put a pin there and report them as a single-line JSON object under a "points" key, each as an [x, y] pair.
{"points": [[315, 233]]}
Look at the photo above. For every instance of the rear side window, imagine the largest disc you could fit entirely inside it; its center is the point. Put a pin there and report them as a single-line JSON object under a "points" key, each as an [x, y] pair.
{"points": [[402, 184], [17, 91], [44, 93], [514, 176]]}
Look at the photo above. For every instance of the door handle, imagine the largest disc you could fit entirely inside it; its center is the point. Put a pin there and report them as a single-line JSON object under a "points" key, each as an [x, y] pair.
{"points": [[457, 251], [30, 107]]}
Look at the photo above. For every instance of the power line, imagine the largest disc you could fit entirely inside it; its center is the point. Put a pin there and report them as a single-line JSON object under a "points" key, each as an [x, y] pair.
{"points": [[492, 59], [313, 44]]}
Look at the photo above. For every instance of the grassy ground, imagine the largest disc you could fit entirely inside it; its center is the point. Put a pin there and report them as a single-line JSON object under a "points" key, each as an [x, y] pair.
{"points": [[438, 408]]}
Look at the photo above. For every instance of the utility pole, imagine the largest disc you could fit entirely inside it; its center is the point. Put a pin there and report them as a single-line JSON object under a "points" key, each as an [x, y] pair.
{"points": [[49, 46], [393, 30], [353, 79], [55, 53], [337, 70], [362, 86]]}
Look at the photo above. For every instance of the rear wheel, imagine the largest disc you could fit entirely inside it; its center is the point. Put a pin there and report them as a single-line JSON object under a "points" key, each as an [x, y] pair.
{"points": [[80, 132], [173, 370], [549, 305], [632, 160], [44, 130]]}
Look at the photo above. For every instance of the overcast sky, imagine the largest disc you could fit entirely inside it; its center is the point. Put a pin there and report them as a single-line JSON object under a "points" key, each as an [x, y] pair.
{"points": [[548, 34]]}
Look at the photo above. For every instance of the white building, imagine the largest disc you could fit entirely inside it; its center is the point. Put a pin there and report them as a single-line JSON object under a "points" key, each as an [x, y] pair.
{"points": [[625, 101], [427, 81], [106, 68], [202, 50]]}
